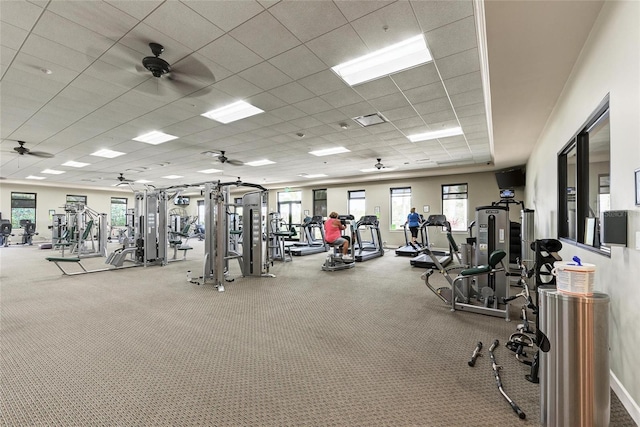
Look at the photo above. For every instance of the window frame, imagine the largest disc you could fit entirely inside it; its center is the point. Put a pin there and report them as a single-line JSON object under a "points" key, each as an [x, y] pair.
{"points": [[406, 208], [319, 203], [580, 143], [123, 223], [353, 195], [465, 222], [16, 224], [75, 198]]}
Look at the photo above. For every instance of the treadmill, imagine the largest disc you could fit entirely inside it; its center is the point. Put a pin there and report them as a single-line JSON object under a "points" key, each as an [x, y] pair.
{"points": [[311, 245], [368, 249], [411, 249], [425, 258]]}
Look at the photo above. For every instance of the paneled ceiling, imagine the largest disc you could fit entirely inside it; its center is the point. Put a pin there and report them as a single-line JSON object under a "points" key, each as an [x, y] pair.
{"points": [[73, 83]]}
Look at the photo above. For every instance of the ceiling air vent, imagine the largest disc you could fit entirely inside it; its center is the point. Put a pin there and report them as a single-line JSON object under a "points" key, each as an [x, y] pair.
{"points": [[370, 120]]}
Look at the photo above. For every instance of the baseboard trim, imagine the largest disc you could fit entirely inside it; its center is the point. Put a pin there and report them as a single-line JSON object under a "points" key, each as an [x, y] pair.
{"points": [[627, 401]]}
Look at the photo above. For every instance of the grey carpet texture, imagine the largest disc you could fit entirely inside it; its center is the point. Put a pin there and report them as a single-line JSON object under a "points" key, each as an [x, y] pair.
{"points": [[368, 346]]}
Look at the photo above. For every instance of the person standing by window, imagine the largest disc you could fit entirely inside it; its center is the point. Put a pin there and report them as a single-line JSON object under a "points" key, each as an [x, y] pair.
{"points": [[413, 220]]}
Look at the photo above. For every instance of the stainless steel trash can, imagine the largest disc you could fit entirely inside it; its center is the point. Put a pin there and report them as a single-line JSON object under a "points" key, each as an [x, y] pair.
{"points": [[574, 374]]}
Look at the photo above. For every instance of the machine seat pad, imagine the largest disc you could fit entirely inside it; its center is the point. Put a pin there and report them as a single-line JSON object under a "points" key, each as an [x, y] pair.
{"points": [[476, 270], [184, 248], [60, 259]]}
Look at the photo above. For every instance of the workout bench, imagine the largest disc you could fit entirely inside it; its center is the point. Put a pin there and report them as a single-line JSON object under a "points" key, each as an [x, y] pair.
{"points": [[58, 260]]}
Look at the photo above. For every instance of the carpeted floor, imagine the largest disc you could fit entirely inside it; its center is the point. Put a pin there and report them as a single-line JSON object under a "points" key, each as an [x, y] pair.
{"points": [[369, 346]]}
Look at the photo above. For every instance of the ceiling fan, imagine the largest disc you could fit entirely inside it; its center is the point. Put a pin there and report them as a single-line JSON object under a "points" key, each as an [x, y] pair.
{"points": [[224, 159], [22, 150], [178, 74], [123, 180], [379, 165]]}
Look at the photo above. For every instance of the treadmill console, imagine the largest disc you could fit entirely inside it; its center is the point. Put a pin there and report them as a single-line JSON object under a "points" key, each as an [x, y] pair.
{"points": [[507, 194]]}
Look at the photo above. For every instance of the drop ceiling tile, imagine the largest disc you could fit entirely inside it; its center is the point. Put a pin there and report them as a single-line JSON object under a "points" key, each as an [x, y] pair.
{"points": [[426, 93], [20, 13], [33, 80], [323, 82], [467, 98], [298, 62], [389, 102], [11, 36], [342, 97], [388, 25], [55, 53], [459, 64], [292, 92], [480, 127], [377, 88], [305, 122], [357, 110], [6, 57], [436, 14], [288, 113], [438, 104], [332, 116], [266, 101], [226, 14], [354, 9], [265, 119], [313, 105], [340, 45], [264, 35], [137, 9], [265, 76], [237, 87], [408, 123], [100, 17], [471, 110], [440, 116], [464, 83], [187, 26], [452, 38], [416, 76], [303, 18], [230, 54], [400, 113]]}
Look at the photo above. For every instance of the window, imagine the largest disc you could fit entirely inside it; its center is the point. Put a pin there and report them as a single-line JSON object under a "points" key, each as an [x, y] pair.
{"points": [[356, 204], [201, 212], [23, 208], [118, 211], [290, 208], [400, 207], [320, 203], [583, 181], [71, 198], [455, 205]]}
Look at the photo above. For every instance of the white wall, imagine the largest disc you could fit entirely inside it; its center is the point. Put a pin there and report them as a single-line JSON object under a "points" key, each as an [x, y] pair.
{"points": [[608, 64], [54, 198]]}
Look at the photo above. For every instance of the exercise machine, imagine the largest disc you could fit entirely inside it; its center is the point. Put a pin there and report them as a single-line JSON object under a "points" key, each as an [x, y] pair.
{"points": [[368, 249], [279, 233], [5, 232], [28, 231], [334, 260], [411, 249], [313, 231], [426, 254]]}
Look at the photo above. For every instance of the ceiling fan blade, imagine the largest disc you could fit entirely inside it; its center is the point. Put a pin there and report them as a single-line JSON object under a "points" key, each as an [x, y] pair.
{"points": [[40, 154], [235, 162], [191, 67]]}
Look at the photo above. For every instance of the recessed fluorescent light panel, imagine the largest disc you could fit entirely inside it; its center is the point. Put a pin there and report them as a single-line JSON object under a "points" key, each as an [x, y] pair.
{"points": [[73, 164], [391, 59], [155, 137], [210, 171], [52, 172], [144, 181], [35, 177], [109, 154], [329, 151], [232, 112], [260, 162], [435, 134], [173, 176], [316, 175]]}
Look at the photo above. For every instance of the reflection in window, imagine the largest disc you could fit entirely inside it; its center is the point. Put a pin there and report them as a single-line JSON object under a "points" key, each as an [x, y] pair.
{"points": [[584, 181]]}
